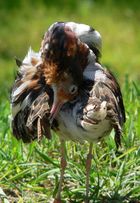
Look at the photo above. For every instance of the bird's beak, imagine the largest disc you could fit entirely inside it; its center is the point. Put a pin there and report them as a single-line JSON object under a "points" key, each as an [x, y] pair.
{"points": [[55, 109]]}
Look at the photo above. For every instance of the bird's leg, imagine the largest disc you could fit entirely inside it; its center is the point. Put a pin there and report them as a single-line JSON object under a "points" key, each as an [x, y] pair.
{"points": [[63, 165], [88, 167]]}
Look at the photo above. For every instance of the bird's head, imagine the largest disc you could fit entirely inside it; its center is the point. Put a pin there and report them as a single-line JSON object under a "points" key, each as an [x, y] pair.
{"points": [[64, 90], [64, 59]]}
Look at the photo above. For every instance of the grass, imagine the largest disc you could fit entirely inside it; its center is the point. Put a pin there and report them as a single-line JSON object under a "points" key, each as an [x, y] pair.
{"points": [[30, 173]]}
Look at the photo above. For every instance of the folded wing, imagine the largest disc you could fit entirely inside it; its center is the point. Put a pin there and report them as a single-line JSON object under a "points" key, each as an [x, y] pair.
{"points": [[30, 100]]}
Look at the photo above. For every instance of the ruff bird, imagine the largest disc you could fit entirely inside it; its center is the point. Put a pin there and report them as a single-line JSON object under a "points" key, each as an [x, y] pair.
{"points": [[65, 88]]}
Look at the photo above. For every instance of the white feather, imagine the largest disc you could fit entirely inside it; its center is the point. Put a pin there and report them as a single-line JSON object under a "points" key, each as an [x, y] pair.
{"points": [[100, 114], [78, 28], [22, 87], [21, 106], [83, 32], [15, 109], [27, 65], [31, 54]]}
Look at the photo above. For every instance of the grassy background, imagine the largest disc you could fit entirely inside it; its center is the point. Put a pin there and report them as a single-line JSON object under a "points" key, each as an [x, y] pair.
{"points": [[30, 173]]}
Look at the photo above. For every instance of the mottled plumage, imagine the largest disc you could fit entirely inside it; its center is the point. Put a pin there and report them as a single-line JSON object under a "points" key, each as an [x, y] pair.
{"points": [[64, 87], [84, 33], [30, 99]]}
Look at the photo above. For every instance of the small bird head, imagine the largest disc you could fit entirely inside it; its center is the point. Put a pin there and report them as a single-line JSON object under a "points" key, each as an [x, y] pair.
{"points": [[64, 90], [64, 58]]}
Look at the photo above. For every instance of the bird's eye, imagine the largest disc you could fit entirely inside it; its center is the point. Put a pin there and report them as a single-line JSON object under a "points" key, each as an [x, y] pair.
{"points": [[73, 89]]}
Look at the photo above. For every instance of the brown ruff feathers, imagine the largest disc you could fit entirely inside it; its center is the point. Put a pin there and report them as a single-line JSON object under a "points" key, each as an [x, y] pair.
{"points": [[64, 53]]}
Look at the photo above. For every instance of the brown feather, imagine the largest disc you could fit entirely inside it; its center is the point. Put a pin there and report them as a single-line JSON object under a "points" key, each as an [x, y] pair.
{"points": [[31, 100], [65, 53]]}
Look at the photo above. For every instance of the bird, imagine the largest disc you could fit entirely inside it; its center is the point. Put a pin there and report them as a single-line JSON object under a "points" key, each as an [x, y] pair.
{"points": [[65, 88]]}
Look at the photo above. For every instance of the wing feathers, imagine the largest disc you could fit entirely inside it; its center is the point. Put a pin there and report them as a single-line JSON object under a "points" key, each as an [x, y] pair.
{"points": [[103, 104], [30, 100]]}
